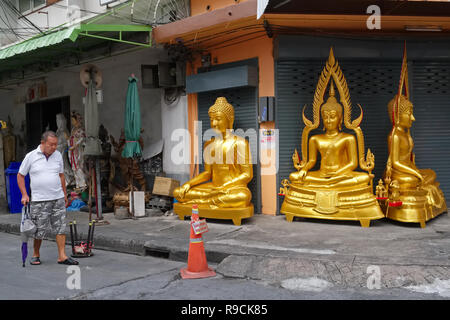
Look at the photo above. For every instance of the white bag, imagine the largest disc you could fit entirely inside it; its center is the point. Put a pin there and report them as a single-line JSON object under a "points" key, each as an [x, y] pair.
{"points": [[27, 226]]}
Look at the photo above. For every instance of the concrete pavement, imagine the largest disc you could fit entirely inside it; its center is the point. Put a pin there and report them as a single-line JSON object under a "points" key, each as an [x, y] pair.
{"points": [[303, 253]]}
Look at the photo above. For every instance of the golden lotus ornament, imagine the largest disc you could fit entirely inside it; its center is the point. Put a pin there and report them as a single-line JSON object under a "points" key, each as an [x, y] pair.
{"points": [[413, 194], [220, 191], [336, 191]]}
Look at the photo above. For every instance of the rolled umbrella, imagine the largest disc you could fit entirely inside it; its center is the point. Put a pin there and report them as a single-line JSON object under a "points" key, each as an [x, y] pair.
{"points": [[132, 121], [93, 145], [24, 252], [132, 147]]}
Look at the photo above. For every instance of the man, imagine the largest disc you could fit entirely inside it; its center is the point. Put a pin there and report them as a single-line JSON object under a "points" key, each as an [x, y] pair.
{"points": [[48, 193]]}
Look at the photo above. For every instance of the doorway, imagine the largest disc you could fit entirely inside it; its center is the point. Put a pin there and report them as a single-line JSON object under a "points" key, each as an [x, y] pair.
{"points": [[41, 116]]}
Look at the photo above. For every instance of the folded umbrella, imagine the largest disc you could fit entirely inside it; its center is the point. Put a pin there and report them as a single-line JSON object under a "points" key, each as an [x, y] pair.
{"points": [[27, 229]]}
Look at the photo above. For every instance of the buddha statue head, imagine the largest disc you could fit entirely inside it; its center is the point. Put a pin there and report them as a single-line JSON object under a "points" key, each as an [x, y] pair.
{"points": [[221, 115], [405, 111], [331, 112]]}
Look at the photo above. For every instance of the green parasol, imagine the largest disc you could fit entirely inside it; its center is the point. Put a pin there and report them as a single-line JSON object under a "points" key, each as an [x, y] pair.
{"points": [[132, 121]]}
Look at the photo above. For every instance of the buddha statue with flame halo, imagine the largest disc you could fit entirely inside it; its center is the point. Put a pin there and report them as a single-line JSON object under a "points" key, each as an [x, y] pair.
{"points": [[220, 191], [417, 197], [336, 191]]}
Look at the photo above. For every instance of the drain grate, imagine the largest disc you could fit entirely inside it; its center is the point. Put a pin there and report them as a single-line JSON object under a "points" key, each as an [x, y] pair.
{"points": [[157, 253]]}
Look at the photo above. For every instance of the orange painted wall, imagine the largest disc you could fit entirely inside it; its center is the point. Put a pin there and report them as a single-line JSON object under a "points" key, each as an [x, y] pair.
{"points": [[200, 6], [261, 48]]}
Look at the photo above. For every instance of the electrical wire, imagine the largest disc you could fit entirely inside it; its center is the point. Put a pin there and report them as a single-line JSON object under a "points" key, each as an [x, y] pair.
{"points": [[14, 9], [8, 24]]}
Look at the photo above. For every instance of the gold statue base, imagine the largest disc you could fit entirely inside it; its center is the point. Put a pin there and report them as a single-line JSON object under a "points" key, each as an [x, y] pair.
{"points": [[234, 214], [353, 204], [414, 207]]}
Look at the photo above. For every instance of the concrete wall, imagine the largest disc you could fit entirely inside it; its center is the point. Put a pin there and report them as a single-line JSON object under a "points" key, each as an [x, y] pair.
{"points": [[158, 119]]}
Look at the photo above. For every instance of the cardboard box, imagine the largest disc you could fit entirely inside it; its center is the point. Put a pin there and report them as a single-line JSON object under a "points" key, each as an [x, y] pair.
{"points": [[164, 186]]}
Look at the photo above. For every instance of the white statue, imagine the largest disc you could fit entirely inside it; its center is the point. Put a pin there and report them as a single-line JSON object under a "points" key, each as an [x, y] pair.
{"points": [[76, 150], [63, 144]]}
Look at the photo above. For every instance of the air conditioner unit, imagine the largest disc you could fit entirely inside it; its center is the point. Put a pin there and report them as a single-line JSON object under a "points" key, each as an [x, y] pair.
{"points": [[171, 74]]}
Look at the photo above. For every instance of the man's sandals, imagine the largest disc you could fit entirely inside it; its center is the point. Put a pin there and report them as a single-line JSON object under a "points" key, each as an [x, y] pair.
{"points": [[68, 261], [35, 261]]}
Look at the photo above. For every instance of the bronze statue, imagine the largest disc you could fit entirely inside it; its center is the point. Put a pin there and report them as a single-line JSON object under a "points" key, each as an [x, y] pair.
{"points": [[128, 167], [221, 190], [336, 191], [414, 194]]}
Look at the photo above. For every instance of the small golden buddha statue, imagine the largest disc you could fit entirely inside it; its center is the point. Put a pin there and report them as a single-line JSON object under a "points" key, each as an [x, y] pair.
{"points": [[335, 191], [414, 194], [381, 191], [221, 190]]}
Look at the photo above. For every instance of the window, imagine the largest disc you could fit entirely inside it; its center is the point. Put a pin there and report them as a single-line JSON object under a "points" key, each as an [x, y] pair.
{"points": [[24, 5], [37, 3], [28, 5]]}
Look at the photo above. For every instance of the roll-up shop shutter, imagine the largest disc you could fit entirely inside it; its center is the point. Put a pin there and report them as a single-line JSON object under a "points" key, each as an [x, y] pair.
{"points": [[430, 91]]}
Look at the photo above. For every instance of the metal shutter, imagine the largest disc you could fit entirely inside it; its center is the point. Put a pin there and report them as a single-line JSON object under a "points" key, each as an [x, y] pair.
{"points": [[372, 83], [244, 101], [430, 93]]}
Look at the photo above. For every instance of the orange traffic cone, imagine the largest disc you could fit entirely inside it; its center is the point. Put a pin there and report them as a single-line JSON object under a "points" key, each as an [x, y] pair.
{"points": [[197, 264]]}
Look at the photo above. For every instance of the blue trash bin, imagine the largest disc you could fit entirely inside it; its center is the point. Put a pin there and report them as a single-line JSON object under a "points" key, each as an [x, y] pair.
{"points": [[12, 189]]}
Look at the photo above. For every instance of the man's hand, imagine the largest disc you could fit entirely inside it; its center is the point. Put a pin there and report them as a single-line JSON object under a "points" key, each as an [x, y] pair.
{"points": [[66, 201], [25, 200]]}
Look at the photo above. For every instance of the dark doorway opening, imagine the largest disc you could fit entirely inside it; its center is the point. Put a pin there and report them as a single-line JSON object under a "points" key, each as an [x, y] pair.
{"points": [[42, 115]]}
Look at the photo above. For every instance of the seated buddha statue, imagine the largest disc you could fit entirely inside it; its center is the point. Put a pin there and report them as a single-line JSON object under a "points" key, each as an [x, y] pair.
{"points": [[338, 151], [336, 190], [220, 191], [419, 197]]}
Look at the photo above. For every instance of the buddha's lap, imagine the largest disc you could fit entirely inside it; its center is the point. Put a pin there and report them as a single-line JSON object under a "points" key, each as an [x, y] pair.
{"points": [[206, 189], [409, 180], [317, 176]]}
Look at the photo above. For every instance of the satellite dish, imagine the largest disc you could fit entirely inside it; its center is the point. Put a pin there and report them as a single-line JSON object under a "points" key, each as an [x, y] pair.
{"points": [[88, 72]]}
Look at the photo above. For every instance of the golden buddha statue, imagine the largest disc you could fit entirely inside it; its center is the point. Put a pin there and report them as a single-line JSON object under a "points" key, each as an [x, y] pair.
{"points": [[221, 190], [413, 194], [336, 191]]}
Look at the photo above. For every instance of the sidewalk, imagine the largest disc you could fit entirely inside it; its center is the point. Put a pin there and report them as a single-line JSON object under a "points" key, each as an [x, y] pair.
{"points": [[271, 249]]}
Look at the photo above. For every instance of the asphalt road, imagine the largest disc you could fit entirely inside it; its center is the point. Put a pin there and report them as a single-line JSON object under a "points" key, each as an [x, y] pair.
{"points": [[111, 275]]}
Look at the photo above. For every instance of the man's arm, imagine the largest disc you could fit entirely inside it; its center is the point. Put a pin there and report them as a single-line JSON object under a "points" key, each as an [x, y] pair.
{"points": [[63, 184], [23, 189]]}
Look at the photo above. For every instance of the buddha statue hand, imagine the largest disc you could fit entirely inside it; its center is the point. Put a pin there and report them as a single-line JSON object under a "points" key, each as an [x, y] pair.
{"points": [[217, 190], [302, 174], [183, 190], [421, 177]]}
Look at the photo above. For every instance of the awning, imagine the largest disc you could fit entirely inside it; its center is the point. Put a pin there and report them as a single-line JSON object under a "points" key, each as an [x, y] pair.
{"points": [[75, 39]]}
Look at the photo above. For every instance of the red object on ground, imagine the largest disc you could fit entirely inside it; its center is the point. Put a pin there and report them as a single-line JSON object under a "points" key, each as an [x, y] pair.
{"points": [[197, 265]]}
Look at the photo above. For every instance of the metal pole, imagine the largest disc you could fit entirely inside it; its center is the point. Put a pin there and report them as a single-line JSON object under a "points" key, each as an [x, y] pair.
{"points": [[90, 190], [99, 190]]}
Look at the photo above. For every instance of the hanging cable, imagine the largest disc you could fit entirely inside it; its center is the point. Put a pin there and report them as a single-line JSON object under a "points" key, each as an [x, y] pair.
{"points": [[14, 9], [7, 23]]}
